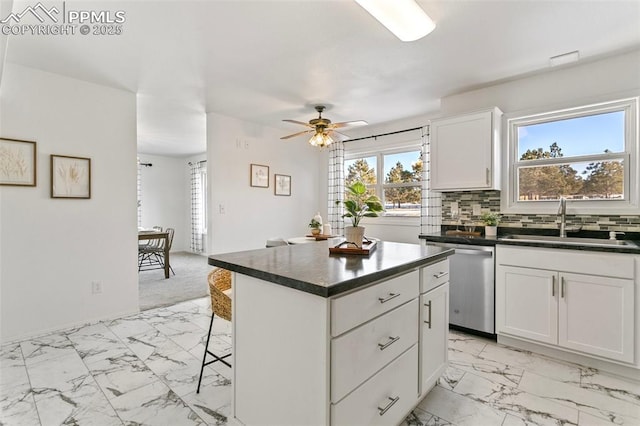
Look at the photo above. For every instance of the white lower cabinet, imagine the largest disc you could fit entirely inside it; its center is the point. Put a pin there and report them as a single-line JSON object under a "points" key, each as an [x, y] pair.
{"points": [[385, 398], [365, 357], [527, 305], [591, 312], [595, 315], [434, 326]]}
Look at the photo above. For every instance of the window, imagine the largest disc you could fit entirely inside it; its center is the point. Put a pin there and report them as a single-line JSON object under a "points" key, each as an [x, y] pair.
{"points": [[586, 155], [395, 177]]}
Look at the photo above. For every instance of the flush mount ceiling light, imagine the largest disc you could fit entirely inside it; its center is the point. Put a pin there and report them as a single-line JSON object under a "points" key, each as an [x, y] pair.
{"points": [[404, 18]]}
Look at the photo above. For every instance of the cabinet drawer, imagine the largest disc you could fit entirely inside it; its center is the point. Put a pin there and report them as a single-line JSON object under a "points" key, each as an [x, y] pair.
{"points": [[397, 382], [356, 308], [434, 275], [357, 355]]}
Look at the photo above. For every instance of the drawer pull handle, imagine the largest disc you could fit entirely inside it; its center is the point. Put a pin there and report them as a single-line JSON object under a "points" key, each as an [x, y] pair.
{"points": [[562, 287], [440, 275], [389, 297], [391, 341], [553, 286], [389, 405], [428, 321]]}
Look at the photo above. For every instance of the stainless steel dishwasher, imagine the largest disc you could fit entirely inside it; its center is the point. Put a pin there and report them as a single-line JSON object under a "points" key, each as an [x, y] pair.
{"points": [[471, 288]]}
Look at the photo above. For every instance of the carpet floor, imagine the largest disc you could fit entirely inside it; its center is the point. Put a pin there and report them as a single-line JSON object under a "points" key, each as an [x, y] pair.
{"points": [[189, 282]]}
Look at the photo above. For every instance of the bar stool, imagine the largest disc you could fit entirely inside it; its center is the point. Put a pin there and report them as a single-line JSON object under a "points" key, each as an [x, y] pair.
{"points": [[220, 290]]}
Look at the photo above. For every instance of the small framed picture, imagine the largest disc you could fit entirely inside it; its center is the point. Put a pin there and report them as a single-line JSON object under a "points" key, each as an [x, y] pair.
{"points": [[70, 177], [282, 185], [259, 176], [17, 162]]}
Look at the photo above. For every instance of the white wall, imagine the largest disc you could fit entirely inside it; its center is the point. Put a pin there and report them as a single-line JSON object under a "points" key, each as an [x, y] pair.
{"points": [[165, 193], [252, 215], [52, 249], [569, 86]]}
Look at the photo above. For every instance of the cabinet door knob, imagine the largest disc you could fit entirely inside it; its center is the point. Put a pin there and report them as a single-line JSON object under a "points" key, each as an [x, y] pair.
{"points": [[389, 405], [391, 341], [389, 297]]}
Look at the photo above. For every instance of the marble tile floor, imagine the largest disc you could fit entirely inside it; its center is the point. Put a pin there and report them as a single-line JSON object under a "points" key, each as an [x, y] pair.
{"points": [[143, 370]]}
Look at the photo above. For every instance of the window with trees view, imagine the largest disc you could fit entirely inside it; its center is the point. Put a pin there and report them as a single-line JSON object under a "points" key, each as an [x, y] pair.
{"points": [[584, 155], [394, 177]]}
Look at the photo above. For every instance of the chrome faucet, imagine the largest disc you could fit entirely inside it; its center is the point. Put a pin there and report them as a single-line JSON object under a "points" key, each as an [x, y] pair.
{"points": [[562, 211]]}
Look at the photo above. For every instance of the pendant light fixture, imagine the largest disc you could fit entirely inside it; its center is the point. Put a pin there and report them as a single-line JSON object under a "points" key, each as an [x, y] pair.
{"points": [[404, 18]]}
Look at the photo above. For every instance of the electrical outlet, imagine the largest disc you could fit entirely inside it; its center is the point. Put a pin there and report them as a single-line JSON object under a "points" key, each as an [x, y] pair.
{"points": [[454, 207], [221, 209], [96, 287], [476, 210]]}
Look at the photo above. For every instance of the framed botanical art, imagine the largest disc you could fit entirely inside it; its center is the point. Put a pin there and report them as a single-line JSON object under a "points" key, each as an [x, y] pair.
{"points": [[70, 177], [282, 185], [17, 162], [259, 176]]}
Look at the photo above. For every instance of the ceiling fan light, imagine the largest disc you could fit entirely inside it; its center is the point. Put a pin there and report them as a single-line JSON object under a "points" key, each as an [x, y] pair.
{"points": [[404, 18], [321, 139]]}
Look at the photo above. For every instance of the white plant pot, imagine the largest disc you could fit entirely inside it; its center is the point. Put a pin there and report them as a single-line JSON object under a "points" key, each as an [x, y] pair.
{"points": [[490, 231], [354, 234]]}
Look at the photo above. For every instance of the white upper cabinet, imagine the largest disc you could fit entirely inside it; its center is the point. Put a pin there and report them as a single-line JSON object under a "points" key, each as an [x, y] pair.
{"points": [[465, 152]]}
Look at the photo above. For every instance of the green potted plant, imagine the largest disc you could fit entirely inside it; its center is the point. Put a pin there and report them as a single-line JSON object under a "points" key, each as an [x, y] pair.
{"points": [[315, 226], [359, 204], [491, 221]]}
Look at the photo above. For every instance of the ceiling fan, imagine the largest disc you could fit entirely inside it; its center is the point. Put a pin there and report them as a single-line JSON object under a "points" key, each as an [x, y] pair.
{"points": [[321, 128]]}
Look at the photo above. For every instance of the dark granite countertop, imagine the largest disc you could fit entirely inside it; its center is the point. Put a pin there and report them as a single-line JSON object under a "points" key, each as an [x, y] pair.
{"points": [[310, 267], [442, 237]]}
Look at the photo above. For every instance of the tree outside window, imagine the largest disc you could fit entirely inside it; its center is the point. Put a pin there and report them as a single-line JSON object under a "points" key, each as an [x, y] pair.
{"points": [[397, 181]]}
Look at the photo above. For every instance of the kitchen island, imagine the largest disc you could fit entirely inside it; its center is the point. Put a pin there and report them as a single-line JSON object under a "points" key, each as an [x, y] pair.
{"points": [[322, 339]]}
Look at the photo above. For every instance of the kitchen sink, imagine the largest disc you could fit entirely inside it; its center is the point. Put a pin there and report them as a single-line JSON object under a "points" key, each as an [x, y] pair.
{"points": [[597, 242]]}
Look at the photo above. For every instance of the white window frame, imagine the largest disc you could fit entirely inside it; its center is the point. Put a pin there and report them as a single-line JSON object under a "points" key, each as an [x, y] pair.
{"points": [[629, 205], [380, 185]]}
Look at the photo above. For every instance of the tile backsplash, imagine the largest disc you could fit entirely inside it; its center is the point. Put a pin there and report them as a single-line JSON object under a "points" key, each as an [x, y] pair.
{"points": [[491, 200]]}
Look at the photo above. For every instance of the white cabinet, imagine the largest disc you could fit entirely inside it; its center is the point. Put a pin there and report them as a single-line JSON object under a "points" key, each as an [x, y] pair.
{"points": [[365, 357], [595, 315], [465, 152], [434, 325], [582, 303], [527, 305]]}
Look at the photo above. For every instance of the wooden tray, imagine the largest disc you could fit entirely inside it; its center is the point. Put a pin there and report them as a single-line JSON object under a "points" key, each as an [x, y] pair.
{"points": [[367, 248], [462, 233], [321, 237]]}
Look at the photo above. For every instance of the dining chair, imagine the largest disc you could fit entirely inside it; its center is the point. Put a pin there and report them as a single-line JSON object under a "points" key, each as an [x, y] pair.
{"points": [[153, 257], [220, 288]]}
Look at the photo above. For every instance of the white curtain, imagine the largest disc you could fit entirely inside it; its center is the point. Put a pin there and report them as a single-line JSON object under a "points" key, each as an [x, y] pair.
{"points": [[431, 205], [197, 205], [335, 209]]}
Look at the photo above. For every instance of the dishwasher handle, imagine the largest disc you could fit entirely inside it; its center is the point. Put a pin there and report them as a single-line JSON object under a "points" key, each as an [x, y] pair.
{"points": [[475, 252]]}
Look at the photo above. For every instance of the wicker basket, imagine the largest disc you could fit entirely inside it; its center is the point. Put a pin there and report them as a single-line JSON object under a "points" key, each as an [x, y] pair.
{"points": [[220, 281]]}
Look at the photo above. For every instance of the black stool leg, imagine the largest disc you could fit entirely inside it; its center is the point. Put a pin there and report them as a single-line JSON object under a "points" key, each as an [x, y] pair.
{"points": [[206, 349]]}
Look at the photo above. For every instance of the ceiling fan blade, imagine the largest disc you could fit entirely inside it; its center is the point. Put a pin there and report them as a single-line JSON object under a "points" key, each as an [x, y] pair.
{"points": [[299, 122], [348, 123], [341, 134], [297, 134]]}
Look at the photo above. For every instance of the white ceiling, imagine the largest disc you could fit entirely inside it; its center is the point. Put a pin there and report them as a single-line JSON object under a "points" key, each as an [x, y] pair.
{"points": [[263, 61]]}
